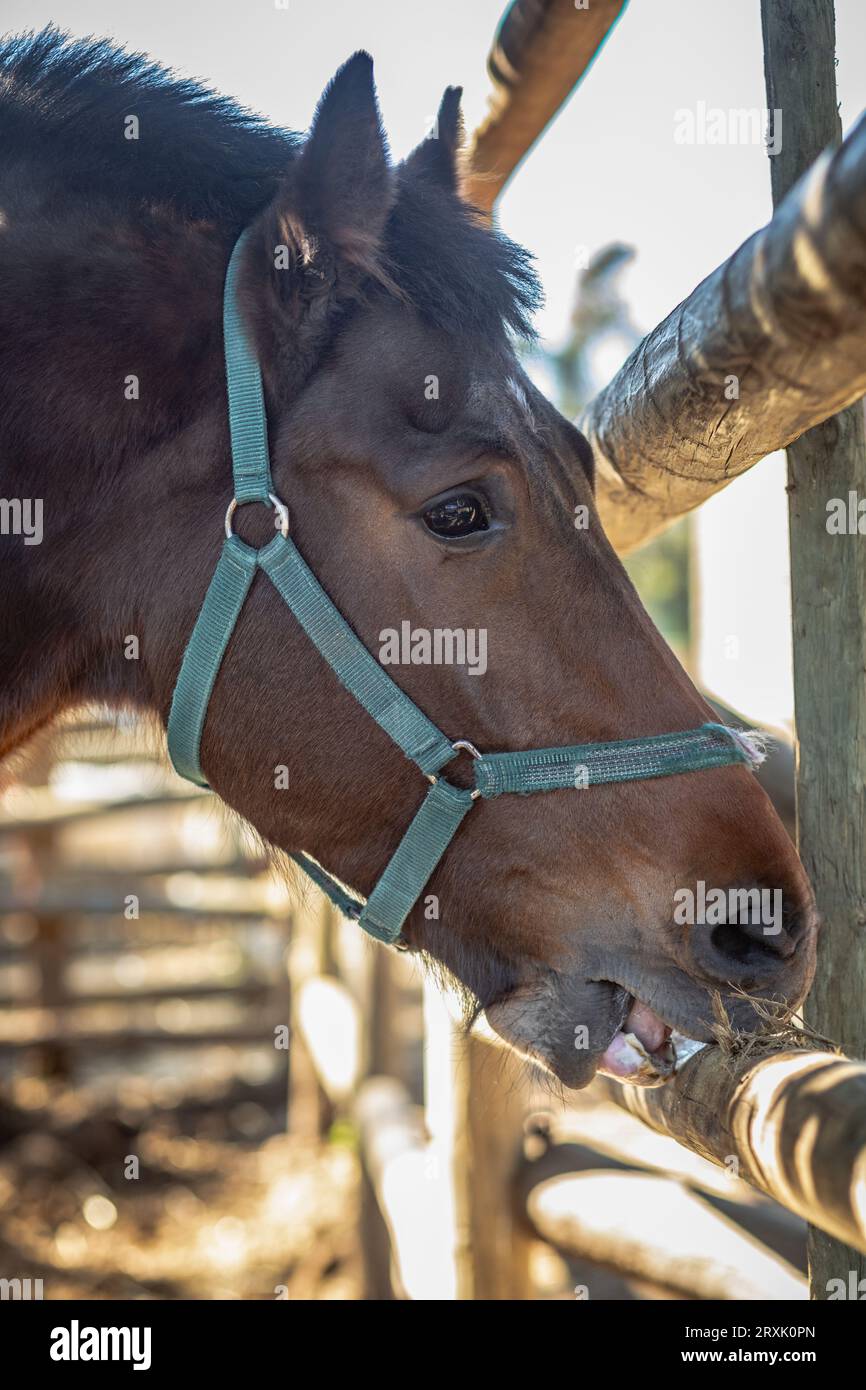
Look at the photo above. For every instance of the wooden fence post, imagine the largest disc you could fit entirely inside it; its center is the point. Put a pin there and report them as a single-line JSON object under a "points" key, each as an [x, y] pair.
{"points": [[310, 1110], [476, 1105], [379, 1060], [51, 954], [828, 581]]}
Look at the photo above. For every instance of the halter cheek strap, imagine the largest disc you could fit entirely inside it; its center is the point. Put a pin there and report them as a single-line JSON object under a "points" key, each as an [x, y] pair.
{"points": [[445, 805]]}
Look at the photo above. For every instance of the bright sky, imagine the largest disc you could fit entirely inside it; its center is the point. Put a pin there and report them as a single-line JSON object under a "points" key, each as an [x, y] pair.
{"points": [[608, 169]]}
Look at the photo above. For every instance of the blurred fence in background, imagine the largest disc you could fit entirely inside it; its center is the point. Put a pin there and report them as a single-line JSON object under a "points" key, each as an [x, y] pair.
{"points": [[145, 1024], [135, 916]]}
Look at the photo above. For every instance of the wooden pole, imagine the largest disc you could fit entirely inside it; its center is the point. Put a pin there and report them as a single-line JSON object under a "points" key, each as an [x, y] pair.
{"points": [[782, 322], [399, 1224], [492, 1095], [828, 581], [541, 50], [382, 1049], [769, 345], [51, 952], [310, 1109], [476, 1104], [648, 1227], [793, 1124]]}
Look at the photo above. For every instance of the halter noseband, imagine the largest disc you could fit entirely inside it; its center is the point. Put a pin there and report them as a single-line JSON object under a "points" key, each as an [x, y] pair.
{"points": [[445, 805]]}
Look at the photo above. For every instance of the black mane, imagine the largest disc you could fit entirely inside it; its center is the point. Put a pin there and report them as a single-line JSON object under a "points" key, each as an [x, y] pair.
{"points": [[63, 102]]}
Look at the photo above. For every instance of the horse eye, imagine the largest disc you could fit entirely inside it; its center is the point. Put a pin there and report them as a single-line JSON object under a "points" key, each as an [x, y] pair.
{"points": [[458, 516]]}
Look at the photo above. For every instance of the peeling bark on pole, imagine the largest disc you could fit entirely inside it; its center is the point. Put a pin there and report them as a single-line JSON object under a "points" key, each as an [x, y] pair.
{"points": [[828, 580], [541, 50], [783, 322], [795, 1122]]}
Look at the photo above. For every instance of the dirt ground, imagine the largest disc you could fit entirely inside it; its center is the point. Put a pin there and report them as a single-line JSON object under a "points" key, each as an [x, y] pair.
{"points": [[128, 1196]]}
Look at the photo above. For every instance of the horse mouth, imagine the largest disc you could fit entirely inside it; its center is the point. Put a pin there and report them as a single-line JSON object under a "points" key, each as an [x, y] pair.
{"points": [[624, 1038], [646, 1051]]}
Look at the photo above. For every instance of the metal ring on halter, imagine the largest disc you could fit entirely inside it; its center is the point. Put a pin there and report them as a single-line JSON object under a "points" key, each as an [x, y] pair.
{"points": [[464, 746], [279, 507], [461, 746]]}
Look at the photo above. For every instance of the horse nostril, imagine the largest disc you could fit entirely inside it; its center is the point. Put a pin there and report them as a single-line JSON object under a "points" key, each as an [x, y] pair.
{"points": [[739, 942], [751, 937]]}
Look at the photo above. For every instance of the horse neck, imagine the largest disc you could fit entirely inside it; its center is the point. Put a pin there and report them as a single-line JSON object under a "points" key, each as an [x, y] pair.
{"points": [[109, 330], [109, 346]]}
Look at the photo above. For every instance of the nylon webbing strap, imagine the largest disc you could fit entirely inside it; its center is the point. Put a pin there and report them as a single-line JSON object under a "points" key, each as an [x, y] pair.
{"points": [[204, 653], [627, 760], [414, 860], [443, 809], [248, 422], [330, 886], [349, 659]]}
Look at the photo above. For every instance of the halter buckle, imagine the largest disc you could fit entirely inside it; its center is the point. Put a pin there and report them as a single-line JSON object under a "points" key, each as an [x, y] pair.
{"points": [[280, 510], [464, 746]]}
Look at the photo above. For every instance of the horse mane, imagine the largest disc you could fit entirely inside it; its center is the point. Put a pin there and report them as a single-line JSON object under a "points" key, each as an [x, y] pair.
{"points": [[63, 102]]}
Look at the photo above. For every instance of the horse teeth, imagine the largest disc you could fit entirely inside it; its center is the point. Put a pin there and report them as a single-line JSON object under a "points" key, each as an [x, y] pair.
{"points": [[684, 1048]]}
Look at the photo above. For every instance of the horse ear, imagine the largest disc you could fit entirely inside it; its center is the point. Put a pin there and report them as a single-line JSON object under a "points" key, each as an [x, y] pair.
{"points": [[326, 222], [437, 159], [342, 182]]}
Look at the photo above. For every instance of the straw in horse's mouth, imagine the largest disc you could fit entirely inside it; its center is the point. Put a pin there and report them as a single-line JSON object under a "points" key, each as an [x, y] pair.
{"points": [[646, 1051]]}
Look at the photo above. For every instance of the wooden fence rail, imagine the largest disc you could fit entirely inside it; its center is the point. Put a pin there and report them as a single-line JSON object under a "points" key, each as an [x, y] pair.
{"points": [[793, 1124], [541, 51]]}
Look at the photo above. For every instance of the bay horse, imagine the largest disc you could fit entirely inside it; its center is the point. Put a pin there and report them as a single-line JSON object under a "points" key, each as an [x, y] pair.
{"points": [[431, 488]]}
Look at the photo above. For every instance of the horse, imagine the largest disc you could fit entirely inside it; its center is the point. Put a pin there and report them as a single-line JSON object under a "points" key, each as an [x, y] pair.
{"points": [[431, 487]]}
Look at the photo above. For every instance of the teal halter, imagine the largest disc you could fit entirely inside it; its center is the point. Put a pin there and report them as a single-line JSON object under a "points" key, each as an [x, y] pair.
{"points": [[445, 805]]}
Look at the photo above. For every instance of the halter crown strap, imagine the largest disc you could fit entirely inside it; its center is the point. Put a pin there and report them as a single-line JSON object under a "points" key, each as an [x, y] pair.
{"points": [[444, 806], [248, 421]]}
